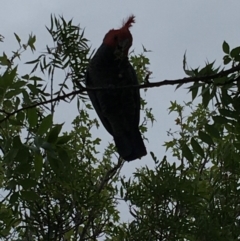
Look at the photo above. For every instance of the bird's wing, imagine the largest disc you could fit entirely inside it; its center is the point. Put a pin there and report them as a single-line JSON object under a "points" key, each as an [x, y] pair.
{"points": [[93, 97], [136, 94]]}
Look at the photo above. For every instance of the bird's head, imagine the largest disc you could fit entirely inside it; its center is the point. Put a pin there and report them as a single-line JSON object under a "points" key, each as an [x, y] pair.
{"points": [[120, 39]]}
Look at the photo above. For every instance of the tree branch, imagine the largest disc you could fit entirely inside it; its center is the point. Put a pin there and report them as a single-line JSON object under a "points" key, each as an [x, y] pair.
{"points": [[142, 86], [109, 174]]}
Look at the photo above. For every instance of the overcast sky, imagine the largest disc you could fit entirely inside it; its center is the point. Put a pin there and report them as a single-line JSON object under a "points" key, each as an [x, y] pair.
{"points": [[167, 28]]}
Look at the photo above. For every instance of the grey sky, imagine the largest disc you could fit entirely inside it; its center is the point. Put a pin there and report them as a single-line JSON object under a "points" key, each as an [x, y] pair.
{"points": [[168, 28]]}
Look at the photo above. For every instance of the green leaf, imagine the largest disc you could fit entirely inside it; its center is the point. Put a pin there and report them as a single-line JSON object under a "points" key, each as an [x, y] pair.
{"points": [[225, 47], [17, 38], [237, 58], [63, 139], [64, 156], [18, 84], [14, 197], [20, 117], [54, 163], [188, 72], [235, 52], [11, 155], [15, 122], [8, 78], [26, 77], [27, 183], [210, 129], [214, 91], [121, 192], [205, 138], [53, 134], [178, 86], [29, 195], [31, 41], [187, 153], [226, 99], [38, 141], [229, 127], [207, 70], [13, 93], [38, 164], [229, 113], [194, 89], [226, 59], [220, 81], [17, 143], [33, 61], [220, 120], [45, 124], [47, 146], [32, 117], [36, 78], [197, 148], [4, 61], [205, 96], [227, 152], [22, 155]]}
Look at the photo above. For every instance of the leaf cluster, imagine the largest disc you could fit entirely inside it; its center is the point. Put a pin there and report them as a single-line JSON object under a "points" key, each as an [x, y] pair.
{"points": [[58, 186]]}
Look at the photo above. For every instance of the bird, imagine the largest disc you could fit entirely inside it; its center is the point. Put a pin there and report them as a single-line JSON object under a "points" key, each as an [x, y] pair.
{"points": [[118, 108]]}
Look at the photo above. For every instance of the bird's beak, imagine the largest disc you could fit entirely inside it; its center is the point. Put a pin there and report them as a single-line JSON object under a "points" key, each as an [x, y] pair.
{"points": [[124, 44]]}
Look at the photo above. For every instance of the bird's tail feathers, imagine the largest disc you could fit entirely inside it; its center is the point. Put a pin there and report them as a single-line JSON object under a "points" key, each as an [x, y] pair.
{"points": [[130, 145]]}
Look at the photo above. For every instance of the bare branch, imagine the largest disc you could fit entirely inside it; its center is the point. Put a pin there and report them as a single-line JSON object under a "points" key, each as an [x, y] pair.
{"points": [[206, 79]]}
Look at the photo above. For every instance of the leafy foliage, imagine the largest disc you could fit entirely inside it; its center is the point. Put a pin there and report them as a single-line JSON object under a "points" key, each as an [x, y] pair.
{"points": [[57, 185]]}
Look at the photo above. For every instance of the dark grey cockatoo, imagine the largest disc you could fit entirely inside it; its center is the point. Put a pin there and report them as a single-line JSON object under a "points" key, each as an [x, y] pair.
{"points": [[118, 109]]}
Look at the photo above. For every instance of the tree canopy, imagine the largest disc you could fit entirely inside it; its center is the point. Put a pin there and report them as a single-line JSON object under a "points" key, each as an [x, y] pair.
{"points": [[56, 186]]}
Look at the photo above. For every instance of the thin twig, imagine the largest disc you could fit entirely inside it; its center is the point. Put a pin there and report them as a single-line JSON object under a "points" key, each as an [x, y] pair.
{"points": [[109, 174]]}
